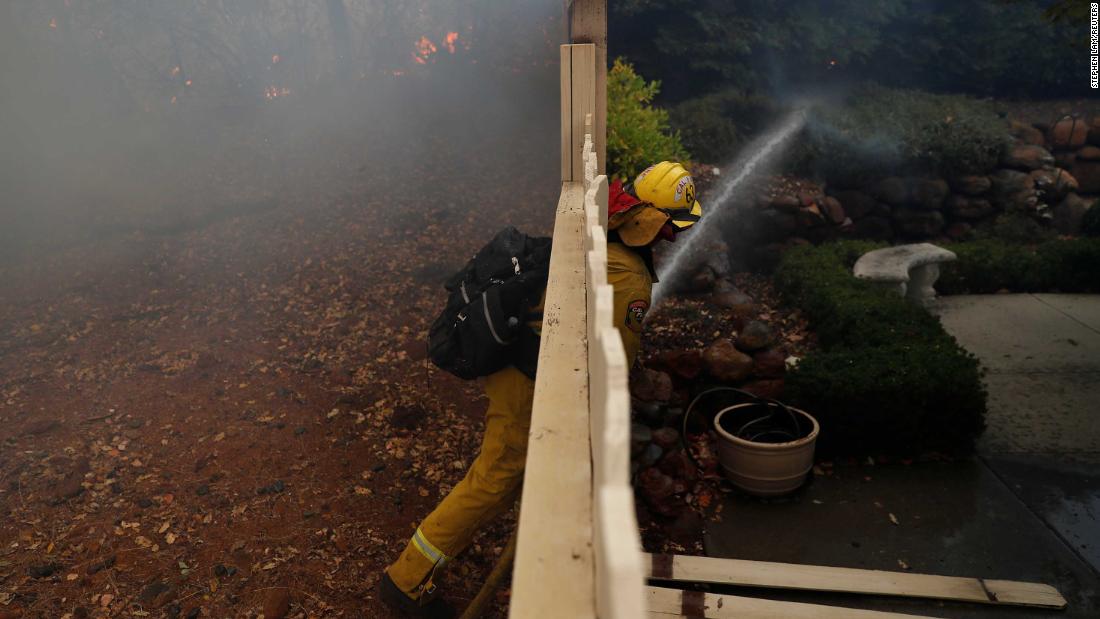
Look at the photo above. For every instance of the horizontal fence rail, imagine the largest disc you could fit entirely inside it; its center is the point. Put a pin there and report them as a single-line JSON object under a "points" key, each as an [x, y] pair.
{"points": [[579, 552]]}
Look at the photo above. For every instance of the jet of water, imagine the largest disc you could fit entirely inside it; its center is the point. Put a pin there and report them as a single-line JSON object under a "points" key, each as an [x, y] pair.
{"points": [[759, 155]]}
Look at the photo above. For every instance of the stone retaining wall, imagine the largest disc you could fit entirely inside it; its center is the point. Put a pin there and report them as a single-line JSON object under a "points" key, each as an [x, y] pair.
{"points": [[1050, 174]]}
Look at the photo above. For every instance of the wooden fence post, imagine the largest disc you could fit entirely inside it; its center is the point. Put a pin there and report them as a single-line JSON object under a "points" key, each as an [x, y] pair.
{"points": [[578, 100], [588, 24]]}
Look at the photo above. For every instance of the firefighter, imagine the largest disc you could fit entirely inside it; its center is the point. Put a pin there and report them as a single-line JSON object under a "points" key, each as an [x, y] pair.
{"points": [[659, 204]]}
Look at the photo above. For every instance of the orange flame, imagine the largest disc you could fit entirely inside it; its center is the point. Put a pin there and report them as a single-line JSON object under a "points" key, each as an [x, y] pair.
{"points": [[424, 49], [53, 23], [449, 41], [275, 92]]}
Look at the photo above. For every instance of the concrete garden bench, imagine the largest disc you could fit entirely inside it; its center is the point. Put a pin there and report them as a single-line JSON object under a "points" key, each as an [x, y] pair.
{"points": [[912, 269]]}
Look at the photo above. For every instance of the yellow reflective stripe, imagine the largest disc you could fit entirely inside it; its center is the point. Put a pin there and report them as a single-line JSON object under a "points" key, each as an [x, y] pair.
{"points": [[427, 549]]}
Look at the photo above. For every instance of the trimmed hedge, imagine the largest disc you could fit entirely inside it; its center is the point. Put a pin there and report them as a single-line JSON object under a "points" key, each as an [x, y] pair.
{"points": [[989, 266], [879, 132], [1090, 223], [889, 381]]}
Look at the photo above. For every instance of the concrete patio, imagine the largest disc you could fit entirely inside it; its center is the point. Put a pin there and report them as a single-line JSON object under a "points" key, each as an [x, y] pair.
{"points": [[1027, 508]]}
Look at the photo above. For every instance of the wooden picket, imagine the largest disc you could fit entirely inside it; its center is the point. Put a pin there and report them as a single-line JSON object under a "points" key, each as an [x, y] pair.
{"points": [[579, 552], [620, 565]]}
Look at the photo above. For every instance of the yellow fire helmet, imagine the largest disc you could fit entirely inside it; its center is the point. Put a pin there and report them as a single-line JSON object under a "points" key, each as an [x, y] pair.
{"points": [[669, 187], [667, 194]]}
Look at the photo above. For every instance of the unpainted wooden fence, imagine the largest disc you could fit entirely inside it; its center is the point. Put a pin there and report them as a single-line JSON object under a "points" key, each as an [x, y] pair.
{"points": [[579, 553]]}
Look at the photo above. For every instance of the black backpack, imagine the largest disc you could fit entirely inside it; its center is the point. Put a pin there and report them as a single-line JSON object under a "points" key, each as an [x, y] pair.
{"points": [[484, 327]]}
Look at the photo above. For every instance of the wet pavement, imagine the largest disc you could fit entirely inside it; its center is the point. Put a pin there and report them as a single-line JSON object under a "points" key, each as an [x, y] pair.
{"points": [[1042, 356], [1027, 508]]}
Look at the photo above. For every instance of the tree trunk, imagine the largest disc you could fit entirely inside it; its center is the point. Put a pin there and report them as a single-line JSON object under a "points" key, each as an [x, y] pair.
{"points": [[341, 36]]}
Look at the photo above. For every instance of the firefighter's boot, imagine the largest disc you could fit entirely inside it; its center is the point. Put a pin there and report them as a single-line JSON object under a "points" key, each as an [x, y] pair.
{"points": [[491, 487]]}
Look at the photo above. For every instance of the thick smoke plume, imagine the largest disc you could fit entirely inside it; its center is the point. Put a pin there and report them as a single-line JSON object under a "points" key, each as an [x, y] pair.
{"points": [[121, 117]]}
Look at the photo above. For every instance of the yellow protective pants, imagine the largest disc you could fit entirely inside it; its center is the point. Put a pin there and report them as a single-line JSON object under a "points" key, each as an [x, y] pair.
{"points": [[491, 486]]}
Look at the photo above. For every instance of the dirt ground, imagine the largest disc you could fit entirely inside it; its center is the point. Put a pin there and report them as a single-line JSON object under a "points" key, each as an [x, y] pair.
{"points": [[195, 417]]}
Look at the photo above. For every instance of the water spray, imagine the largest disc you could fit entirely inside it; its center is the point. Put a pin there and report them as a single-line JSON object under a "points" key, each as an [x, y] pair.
{"points": [[759, 155]]}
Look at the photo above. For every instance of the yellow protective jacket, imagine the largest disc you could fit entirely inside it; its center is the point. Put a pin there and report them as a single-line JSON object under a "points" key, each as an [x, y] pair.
{"points": [[492, 482], [632, 281]]}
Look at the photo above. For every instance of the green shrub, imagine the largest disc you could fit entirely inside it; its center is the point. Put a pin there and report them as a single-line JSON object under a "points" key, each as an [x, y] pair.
{"points": [[889, 380], [1071, 266], [638, 133], [992, 265], [1014, 227], [713, 126], [881, 132], [1090, 223], [995, 48], [898, 400]]}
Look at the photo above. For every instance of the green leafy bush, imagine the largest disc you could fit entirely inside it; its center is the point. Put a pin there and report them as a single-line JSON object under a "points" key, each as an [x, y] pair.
{"points": [[638, 133], [898, 400], [881, 132], [1014, 227], [984, 47], [1090, 223], [991, 265], [889, 380], [713, 126]]}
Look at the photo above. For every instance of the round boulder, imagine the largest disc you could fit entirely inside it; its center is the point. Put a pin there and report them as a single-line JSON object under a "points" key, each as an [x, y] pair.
{"points": [[640, 436], [971, 185], [1054, 184], [892, 190], [1026, 133], [651, 385], [755, 336], [962, 207], [765, 388], [833, 210], [770, 363], [1069, 213], [650, 455], [702, 280], [916, 224], [786, 203], [1089, 153], [1027, 157], [1007, 182], [686, 364], [1087, 174], [677, 465], [857, 204], [1065, 159], [928, 193], [725, 363], [810, 216], [737, 302], [655, 485], [1069, 133], [1094, 132], [666, 438]]}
